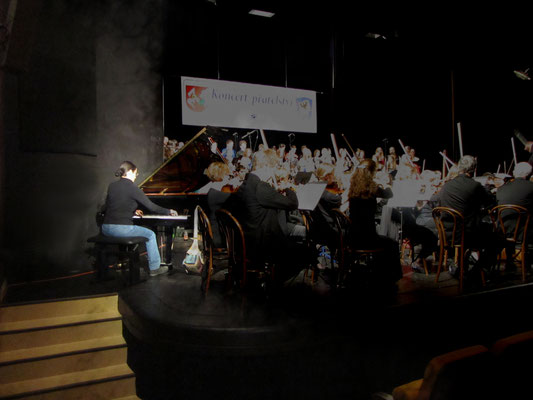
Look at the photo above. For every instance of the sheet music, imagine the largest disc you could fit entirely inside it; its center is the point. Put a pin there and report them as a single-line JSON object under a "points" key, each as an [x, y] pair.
{"points": [[407, 193], [309, 194]]}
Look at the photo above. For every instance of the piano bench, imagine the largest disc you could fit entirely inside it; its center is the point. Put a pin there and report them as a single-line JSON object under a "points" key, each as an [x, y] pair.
{"points": [[120, 248]]}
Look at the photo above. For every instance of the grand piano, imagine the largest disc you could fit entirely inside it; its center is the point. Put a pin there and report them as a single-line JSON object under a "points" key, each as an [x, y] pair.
{"points": [[173, 185]]}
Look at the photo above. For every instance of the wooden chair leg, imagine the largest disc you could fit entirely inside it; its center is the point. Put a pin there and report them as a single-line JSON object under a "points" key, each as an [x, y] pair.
{"points": [[441, 256], [523, 262], [461, 268], [425, 264]]}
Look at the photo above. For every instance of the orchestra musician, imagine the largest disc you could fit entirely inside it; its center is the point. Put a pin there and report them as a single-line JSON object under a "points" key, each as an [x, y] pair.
{"points": [[218, 190], [362, 198], [122, 202], [379, 158], [261, 209], [325, 228], [473, 201], [229, 152], [242, 148], [517, 191], [392, 161]]}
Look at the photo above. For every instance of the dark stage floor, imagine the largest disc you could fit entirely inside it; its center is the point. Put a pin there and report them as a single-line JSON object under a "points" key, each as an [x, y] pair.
{"points": [[306, 342]]}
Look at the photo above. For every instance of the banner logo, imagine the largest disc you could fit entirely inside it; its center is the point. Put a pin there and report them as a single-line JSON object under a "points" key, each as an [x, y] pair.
{"points": [[304, 105], [195, 99]]}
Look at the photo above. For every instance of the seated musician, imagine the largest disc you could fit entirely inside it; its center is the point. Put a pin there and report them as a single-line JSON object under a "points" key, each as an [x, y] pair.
{"points": [[324, 226], [122, 202], [306, 163], [218, 191], [262, 211], [473, 201], [379, 158], [392, 161], [418, 224], [362, 198], [242, 148], [518, 191]]}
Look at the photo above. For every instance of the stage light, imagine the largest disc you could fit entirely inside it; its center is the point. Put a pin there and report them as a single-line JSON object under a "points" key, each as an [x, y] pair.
{"points": [[261, 13], [522, 75]]}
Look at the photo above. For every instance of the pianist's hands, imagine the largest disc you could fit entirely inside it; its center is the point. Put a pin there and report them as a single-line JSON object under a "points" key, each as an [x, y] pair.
{"points": [[139, 213], [174, 213]]}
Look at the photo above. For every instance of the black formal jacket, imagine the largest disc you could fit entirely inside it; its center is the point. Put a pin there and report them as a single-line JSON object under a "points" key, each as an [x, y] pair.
{"points": [[324, 228], [363, 217], [257, 206], [518, 191], [469, 197]]}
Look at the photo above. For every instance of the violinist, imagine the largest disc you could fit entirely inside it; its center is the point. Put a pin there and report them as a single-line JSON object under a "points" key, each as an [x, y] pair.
{"points": [[392, 161], [517, 191], [261, 210], [242, 148], [306, 163], [379, 158], [229, 152], [472, 200], [220, 179], [325, 229], [362, 197]]}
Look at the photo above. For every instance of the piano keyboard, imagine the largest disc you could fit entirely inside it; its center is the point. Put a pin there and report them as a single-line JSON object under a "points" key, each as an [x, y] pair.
{"points": [[163, 217]]}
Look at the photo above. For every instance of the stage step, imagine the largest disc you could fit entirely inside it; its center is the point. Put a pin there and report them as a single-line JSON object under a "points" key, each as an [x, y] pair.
{"points": [[67, 349], [58, 313], [116, 389], [37, 343]]}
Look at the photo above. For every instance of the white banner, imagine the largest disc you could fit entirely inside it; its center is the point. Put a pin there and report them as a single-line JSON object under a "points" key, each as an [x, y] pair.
{"points": [[208, 102]]}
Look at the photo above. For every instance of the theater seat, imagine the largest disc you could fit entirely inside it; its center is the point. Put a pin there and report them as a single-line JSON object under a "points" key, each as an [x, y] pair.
{"points": [[459, 374], [513, 354]]}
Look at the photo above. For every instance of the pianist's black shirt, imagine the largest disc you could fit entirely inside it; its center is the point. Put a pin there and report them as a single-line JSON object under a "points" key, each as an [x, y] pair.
{"points": [[123, 198]]}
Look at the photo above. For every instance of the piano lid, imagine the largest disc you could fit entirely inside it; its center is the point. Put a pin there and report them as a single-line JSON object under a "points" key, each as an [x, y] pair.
{"points": [[183, 172]]}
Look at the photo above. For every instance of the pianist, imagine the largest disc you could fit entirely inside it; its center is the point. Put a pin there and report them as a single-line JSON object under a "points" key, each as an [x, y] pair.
{"points": [[122, 202]]}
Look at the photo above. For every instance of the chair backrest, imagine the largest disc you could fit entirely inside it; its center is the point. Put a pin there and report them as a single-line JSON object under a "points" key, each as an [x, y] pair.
{"points": [[204, 226], [511, 220], [307, 218], [450, 226], [513, 355], [459, 374], [343, 222], [235, 243]]}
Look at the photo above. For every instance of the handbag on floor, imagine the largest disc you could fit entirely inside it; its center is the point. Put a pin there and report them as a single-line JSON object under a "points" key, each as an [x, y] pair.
{"points": [[193, 261]]}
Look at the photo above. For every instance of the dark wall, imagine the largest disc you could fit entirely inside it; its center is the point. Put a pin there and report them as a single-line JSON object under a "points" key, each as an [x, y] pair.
{"points": [[88, 99]]}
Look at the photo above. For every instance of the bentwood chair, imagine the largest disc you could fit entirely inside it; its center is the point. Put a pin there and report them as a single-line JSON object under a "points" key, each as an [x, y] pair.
{"points": [[517, 220], [451, 239], [208, 248], [309, 244], [239, 263], [450, 228], [350, 255]]}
